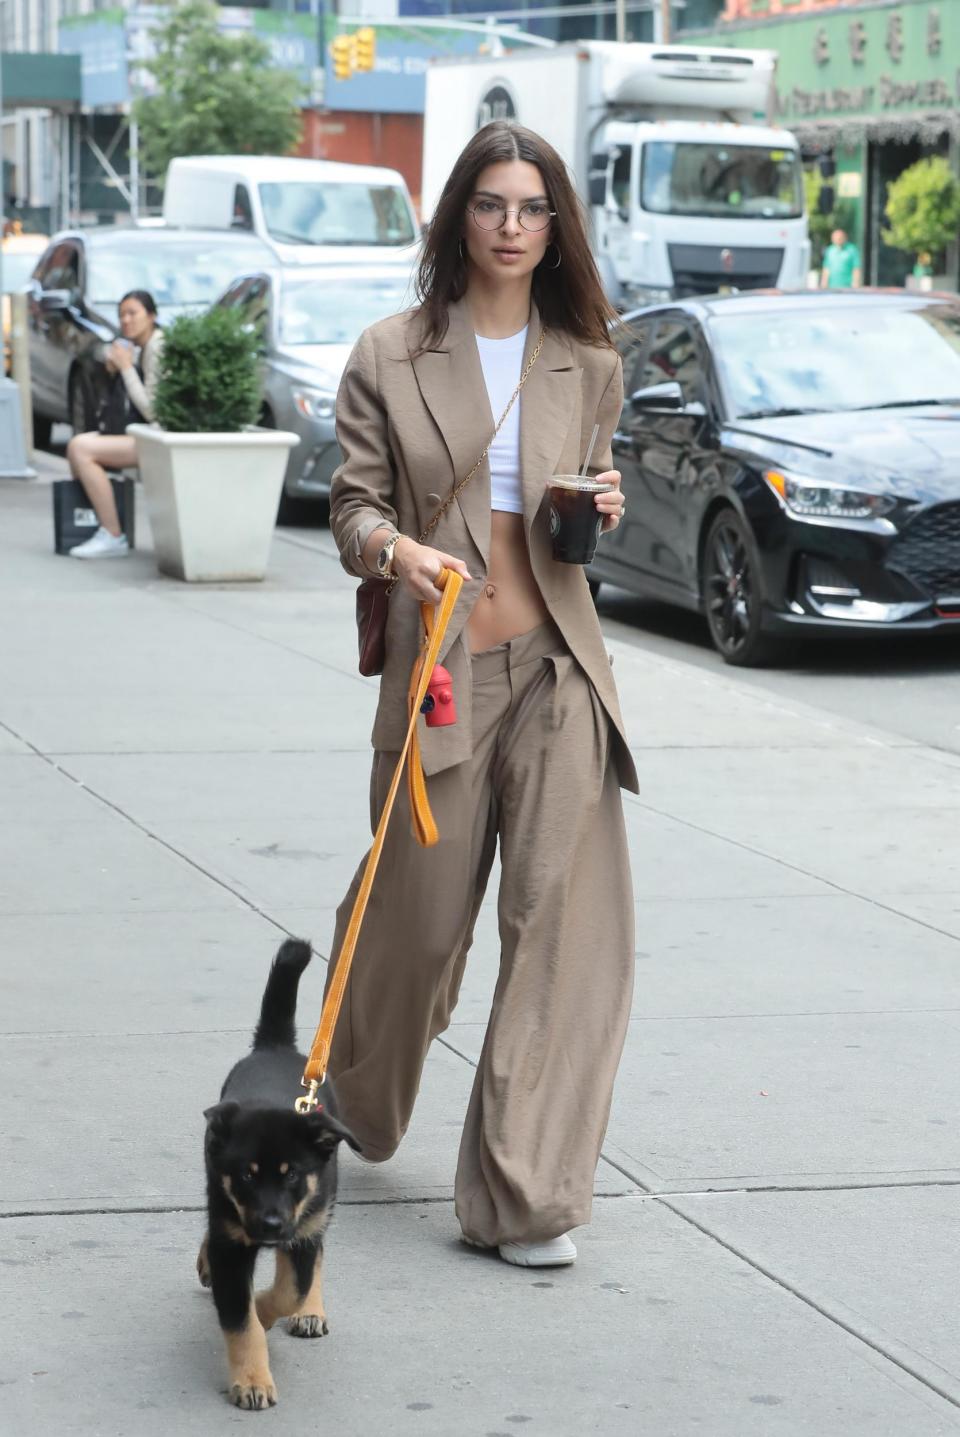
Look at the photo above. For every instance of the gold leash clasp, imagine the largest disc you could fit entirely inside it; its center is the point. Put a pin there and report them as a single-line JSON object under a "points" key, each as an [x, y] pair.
{"points": [[307, 1103]]}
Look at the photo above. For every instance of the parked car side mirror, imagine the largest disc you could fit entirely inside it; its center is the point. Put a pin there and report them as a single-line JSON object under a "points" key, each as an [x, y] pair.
{"points": [[657, 397], [52, 300]]}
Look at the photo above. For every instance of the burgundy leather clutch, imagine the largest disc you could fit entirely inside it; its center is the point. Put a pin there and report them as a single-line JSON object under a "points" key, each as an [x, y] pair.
{"points": [[372, 604]]}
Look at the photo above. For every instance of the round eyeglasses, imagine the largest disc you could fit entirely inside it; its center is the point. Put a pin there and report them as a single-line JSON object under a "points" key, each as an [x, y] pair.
{"points": [[533, 216]]}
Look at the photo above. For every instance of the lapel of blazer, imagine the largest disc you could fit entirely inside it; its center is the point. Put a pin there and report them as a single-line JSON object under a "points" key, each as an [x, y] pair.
{"points": [[549, 404], [450, 379]]}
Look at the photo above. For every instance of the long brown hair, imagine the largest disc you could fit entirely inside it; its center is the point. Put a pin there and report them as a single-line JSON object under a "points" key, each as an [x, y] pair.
{"points": [[569, 297]]}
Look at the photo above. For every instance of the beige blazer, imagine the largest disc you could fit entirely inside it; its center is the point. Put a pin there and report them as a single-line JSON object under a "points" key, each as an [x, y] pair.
{"points": [[409, 429]]}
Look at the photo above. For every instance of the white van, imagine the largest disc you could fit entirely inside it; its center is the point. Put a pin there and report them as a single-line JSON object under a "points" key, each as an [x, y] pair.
{"points": [[308, 210]]}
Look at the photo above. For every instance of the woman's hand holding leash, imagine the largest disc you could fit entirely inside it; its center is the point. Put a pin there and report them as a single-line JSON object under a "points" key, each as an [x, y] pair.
{"points": [[417, 566], [611, 504]]}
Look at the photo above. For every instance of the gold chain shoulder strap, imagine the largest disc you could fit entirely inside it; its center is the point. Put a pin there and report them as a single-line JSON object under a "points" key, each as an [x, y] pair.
{"points": [[459, 488]]}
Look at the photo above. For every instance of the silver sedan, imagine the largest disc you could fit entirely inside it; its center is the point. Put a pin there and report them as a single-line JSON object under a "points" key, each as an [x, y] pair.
{"points": [[308, 321]]}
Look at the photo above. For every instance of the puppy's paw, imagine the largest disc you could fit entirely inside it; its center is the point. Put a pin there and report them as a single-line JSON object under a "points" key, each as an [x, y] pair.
{"points": [[308, 1324], [203, 1266], [256, 1395]]}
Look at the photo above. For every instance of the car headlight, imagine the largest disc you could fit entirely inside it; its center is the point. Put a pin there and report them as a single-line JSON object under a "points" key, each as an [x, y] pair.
{"points": [[813, 498], [315, 403]]}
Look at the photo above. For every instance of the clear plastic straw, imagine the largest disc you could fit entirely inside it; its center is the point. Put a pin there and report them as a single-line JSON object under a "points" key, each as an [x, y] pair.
{"points": [[589, 455]]}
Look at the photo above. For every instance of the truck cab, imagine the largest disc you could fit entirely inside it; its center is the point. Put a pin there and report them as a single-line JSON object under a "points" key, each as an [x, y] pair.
{"points": [[685, 207]]}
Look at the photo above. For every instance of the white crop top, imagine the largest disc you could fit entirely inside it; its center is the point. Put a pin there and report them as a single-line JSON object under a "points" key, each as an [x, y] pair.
{"points": [[502, 361]]}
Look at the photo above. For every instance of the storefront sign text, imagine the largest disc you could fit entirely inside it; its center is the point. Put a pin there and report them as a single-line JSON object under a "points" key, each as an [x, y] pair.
{"points": [[888, 94]]}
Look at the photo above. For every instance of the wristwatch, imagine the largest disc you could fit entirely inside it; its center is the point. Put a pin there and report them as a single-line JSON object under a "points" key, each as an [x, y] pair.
{"points": [[385, 557]]}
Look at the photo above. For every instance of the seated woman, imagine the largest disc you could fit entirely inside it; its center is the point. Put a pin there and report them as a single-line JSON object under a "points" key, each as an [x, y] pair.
{"points": [[90, 455]]}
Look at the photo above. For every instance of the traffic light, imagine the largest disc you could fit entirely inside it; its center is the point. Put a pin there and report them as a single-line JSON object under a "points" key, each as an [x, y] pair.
{"points": [[343, 54], [366, 41]]}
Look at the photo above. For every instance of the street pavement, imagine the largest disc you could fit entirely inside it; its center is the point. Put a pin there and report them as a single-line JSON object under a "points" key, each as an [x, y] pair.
{"points": [[183, 781]]}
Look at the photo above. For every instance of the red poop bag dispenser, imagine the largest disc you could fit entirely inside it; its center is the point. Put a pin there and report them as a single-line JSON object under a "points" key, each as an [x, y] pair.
{"points": [[438, 705]]}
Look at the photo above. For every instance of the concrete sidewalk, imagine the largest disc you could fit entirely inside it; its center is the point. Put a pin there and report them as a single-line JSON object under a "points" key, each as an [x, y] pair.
{"points": [[183, 780]]}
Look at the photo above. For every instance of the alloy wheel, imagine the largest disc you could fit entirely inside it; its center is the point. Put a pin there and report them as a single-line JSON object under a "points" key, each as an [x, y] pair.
{"points": [[730, 591]]}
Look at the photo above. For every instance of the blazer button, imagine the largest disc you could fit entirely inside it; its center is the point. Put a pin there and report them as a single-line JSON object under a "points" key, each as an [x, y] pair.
{"points": [[433, 498]]}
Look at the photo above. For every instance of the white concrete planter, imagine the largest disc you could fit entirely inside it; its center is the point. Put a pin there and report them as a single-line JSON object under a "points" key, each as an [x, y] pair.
{"points": [[212, 499]]}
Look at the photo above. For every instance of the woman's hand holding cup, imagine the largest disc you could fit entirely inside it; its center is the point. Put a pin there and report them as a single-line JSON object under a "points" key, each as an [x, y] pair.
{"points": [[120, 354], [610, 504], [582, 507], [417, 566]]}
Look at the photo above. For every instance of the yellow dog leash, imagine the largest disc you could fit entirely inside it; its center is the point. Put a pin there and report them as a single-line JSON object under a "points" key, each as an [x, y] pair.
{"points": [[435, 622]]}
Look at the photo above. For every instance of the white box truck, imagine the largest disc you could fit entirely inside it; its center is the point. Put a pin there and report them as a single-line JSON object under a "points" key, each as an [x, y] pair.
{"points": [[310, 211], [689, 190]]}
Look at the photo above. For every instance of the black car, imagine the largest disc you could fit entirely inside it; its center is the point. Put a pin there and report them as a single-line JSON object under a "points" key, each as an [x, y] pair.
{"points": [[792, 462], [78, 283]]}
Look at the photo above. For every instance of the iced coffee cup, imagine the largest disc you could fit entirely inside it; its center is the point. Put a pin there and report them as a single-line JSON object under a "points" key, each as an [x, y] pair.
{"points": [[575, 521]]}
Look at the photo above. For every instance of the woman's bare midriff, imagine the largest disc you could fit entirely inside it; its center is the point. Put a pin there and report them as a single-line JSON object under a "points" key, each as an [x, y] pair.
{"points": [[510, 602]]}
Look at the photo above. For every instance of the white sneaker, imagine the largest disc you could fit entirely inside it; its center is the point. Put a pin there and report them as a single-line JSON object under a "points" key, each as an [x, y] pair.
{"points": [[555, 1252], [102, 545]]}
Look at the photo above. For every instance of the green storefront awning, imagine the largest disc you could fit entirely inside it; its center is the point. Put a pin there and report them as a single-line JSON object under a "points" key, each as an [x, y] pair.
{"points": [[45, 81]]}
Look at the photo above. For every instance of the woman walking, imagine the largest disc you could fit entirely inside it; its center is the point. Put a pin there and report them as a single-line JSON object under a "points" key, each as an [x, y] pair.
{"points": [[135, 358], [510, 298]]}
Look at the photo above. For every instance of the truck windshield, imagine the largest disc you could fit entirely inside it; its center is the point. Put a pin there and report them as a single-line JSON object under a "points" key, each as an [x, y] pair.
{"points": [[343, 214], [724, 181]]}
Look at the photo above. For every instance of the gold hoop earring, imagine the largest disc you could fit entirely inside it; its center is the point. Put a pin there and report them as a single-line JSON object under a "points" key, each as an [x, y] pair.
{"points": [[559, 256], [463, 257]]}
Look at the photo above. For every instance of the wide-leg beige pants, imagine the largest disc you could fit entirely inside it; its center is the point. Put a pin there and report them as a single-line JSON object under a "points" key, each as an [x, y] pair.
{"points": [[542, 781]]}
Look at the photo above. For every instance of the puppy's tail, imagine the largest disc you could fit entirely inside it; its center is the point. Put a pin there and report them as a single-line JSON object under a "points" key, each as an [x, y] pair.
{"points": [[276, 1027]]}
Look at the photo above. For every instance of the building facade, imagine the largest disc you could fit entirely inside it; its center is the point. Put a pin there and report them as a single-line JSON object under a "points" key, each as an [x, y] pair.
{"points": [[873, 87]]}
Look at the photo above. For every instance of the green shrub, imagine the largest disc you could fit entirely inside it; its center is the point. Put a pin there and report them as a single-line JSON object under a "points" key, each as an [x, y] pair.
{"points": [[209, 380], [923, 207]]}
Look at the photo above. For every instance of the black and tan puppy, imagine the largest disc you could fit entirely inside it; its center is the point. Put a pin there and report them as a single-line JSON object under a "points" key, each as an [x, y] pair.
{"points": [[271, 1182]]}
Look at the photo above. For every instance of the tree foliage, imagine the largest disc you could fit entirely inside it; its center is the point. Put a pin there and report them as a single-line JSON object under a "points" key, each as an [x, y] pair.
{"points": [[215, 94], [923, 207], [209, 374]]}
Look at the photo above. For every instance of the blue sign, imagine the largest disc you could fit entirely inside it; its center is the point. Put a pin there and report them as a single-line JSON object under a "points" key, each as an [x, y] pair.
{"points": [[396, 84], [109, 40], [101, 42]]}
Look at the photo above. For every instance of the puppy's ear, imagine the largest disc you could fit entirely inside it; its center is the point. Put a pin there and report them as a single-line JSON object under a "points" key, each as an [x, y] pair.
{"points": [[326, 1131], [220, 1118]]}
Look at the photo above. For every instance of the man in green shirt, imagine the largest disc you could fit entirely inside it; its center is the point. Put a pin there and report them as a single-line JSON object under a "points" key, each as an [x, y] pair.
{"points": [[841, 263]]}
